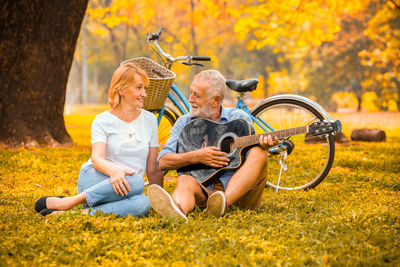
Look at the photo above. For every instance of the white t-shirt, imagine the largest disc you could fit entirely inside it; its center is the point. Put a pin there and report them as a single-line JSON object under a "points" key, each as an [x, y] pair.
{"points": [[127, 143]]}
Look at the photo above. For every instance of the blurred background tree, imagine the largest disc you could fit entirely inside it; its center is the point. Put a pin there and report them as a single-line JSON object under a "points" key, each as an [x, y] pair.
{"points": [[323, 49]]}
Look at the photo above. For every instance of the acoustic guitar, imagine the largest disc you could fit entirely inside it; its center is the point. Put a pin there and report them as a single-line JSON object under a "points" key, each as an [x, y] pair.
{"points": [[233, 138]]}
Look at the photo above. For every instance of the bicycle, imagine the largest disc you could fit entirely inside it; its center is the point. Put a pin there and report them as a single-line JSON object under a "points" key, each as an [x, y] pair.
{"points": [[298, 162]]}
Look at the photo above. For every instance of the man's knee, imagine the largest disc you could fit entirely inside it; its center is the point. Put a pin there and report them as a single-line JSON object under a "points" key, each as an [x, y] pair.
{"points": [[258, 153], [258, 157], [187, 182]]}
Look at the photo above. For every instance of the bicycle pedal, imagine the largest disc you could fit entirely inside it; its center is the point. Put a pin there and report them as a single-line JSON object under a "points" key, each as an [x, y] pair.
{"points": [[282, 160]]}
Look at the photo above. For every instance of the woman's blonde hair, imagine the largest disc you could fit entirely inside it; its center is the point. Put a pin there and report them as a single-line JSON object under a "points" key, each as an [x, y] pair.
{"points": [[123, 77]]}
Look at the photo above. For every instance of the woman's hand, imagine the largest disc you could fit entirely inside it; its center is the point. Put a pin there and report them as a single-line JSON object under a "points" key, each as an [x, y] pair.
{"points": [[117, 175], [119, 182]]}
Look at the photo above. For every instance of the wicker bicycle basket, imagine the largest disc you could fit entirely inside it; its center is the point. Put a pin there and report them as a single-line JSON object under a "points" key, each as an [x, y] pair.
{"points": [[161, 80]]}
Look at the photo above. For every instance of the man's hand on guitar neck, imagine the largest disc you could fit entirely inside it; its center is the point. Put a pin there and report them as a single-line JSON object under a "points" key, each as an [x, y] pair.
{"points": [[266, 141]]}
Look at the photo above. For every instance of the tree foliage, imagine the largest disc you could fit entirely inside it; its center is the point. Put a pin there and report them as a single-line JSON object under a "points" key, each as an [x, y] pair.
{"points": [[293, 24], [308, 47], [331, 45], [383, 55]]}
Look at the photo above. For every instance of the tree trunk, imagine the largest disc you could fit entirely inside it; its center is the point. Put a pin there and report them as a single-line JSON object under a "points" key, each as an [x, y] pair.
{"points": [[359, 99], [115, 45], [397, 83], [192, 32], [37, 44]]}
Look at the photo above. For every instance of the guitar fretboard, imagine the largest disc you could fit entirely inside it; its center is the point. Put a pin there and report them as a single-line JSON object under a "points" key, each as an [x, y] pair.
{"points": [[255, 139]]}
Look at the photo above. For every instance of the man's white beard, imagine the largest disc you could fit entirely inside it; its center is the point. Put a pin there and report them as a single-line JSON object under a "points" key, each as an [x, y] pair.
{"points": [[205, 112]]}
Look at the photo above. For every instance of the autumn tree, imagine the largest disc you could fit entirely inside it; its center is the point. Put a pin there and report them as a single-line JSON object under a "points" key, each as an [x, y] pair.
{"points": [[191, 27], [37, 45], [335, 66], [382, 57], [294, 29]]}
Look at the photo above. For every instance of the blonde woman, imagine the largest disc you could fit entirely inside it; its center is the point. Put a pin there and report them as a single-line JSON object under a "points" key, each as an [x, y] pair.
{"points": [[124, 146]]}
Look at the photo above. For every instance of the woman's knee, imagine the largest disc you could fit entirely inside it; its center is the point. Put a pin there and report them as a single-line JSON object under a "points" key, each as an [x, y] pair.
{"points": [[136, 184], [88, 177]]}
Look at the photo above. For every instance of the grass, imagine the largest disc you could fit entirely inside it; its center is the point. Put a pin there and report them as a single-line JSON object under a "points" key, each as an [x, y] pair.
{"points": [[351, 218]]}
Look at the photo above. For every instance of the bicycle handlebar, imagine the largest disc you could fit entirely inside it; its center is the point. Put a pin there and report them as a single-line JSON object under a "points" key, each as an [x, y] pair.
{"points": [[154, 36], [201, 58], [184, 59]]}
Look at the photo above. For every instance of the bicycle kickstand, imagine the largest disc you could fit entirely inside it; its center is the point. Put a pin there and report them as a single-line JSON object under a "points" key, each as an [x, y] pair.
{"points": [[283, 154]]}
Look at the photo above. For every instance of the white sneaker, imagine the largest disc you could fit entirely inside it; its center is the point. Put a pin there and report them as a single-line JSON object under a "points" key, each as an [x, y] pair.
{"points": [[215, 204], [162, 202]]}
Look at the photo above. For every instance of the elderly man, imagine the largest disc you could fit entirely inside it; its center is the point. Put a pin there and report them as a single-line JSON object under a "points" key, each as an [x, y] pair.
{"points": [[243, 187]]}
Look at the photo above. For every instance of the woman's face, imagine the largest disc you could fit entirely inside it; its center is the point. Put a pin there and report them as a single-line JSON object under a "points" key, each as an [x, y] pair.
{"points": [[135, 94]]}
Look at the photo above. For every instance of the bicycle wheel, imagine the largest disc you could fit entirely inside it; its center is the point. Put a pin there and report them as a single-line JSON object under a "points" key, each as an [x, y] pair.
{"points": [[164, 128], [311, 158]]}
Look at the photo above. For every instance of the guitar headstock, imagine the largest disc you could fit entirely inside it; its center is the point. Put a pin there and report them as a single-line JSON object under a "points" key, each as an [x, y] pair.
{"points": [[324, 127]]}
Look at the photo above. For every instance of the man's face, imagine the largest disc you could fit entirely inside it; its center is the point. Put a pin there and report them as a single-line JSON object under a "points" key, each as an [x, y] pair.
{"points": [[199, 100]]}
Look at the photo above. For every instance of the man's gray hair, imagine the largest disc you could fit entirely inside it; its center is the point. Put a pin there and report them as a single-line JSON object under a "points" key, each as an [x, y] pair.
{"points": [[217, 82]]}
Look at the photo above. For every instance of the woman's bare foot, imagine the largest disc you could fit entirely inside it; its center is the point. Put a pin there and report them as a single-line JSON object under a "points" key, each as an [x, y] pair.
{"points": [[57, 203]]}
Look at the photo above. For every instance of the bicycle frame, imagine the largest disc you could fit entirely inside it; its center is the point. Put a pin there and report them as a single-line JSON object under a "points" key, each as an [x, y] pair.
{"points": [[176, 103], [260, 122]]}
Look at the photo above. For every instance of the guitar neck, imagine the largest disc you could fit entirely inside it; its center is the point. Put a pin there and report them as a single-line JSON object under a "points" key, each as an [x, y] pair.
{"points": [[255, 139]]}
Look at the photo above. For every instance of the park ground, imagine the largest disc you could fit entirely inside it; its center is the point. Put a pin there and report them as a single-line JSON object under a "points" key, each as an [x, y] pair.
{"points": [[352, 218]]}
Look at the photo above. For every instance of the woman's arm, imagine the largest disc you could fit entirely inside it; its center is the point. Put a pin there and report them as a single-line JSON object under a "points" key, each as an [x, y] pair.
{"points": [[154, 174], [117, 175]]}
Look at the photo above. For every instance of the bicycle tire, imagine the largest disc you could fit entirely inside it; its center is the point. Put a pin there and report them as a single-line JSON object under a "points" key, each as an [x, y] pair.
{"points": [[167, 121], [305, 167]]}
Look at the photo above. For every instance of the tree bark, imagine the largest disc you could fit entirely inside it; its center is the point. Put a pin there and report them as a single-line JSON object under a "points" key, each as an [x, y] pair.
{"points": [[192, 31], [115, 45], [37, 43], [397, 83]]}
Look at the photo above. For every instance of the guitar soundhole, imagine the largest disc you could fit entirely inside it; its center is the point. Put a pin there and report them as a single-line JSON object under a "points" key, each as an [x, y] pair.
{"points": [[226, 144]]}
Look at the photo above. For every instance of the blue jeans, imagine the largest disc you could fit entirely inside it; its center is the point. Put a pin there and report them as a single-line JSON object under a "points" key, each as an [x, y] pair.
{"points": [[100, 194]]}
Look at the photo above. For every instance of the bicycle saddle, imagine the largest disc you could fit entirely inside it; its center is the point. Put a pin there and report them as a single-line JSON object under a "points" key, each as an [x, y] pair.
{"points": [[243, 85]]}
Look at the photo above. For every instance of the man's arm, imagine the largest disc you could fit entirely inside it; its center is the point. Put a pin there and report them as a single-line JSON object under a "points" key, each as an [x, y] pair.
{"points": [[211, 156], [154, 174]]}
